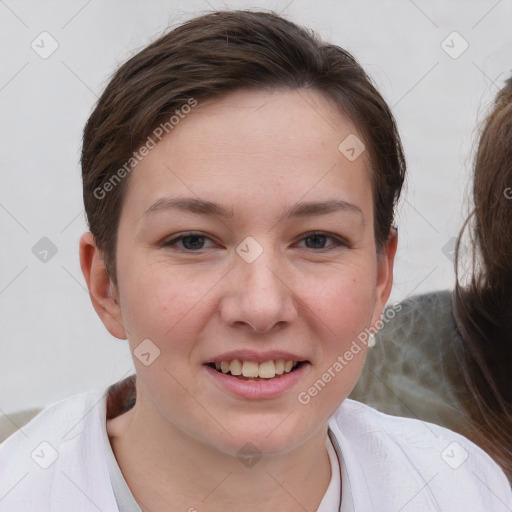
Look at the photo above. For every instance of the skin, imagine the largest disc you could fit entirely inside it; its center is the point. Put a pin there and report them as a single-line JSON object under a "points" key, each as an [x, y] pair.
{"points": [[257, 154]]}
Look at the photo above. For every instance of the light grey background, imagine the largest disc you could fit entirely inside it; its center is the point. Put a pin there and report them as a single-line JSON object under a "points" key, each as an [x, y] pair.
{"points": [[52, 343]]}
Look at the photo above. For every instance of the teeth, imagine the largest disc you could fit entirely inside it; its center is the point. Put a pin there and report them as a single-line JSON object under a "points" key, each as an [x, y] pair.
{"points": [[251, 369], [236, 367], [279, 365], [267, 370]]}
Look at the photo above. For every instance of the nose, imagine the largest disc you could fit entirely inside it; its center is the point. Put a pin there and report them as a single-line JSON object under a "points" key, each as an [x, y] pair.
{"points": [[258, 296]]}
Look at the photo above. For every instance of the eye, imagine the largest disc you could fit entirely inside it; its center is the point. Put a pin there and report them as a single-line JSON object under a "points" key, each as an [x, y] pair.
{"points": [[194, 242], [191, 242], [319, 238]]}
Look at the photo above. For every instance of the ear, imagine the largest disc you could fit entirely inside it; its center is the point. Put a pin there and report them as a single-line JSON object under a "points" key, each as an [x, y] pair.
{"points": [[385, 260], [101, 289]]}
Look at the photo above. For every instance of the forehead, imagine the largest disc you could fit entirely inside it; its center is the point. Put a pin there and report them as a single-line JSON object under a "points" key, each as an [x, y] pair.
{"points": [[288, 124], [254, 144]]}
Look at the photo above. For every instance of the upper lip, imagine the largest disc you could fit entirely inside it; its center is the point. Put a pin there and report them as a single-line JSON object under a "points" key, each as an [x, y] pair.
{"points": [[257, 357]]}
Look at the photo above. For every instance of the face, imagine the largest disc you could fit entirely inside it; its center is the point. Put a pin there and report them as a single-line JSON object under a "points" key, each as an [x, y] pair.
{"points": [[269, 256]]}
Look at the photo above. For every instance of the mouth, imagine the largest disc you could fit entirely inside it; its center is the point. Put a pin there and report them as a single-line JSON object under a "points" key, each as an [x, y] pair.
{"points": [[251, 370]]}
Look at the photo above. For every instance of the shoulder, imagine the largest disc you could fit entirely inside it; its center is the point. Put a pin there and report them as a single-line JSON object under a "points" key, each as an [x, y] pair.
{"points": [[56, 421], [422, 441], [45, 451], [407, 456]]}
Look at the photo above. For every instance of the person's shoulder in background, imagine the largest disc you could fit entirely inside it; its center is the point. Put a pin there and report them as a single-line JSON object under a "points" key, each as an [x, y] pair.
{"points": [[415, 368], [12, 422]]}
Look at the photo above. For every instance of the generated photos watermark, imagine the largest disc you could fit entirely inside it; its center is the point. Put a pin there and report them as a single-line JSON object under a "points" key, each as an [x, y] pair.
{"points": [[304, 397], [158, 133]]}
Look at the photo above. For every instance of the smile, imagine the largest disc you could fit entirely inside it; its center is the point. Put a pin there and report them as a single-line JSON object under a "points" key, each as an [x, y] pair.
{"points": [[252, 370], [258, 388]]}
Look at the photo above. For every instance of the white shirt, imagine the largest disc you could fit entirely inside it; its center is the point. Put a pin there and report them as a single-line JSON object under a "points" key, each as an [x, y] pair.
{"points": [[58, 462], [126, 502]]}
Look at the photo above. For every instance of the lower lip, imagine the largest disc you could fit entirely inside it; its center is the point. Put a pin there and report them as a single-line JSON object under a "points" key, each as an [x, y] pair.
{"points": [[257, 389]]}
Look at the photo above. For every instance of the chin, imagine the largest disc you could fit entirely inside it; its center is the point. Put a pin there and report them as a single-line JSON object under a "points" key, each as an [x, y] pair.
{"points": [[276, 437]]}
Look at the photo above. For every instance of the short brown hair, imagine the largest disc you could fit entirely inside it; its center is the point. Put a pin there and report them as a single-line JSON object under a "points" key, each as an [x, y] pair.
{"points": [[208, 57]]}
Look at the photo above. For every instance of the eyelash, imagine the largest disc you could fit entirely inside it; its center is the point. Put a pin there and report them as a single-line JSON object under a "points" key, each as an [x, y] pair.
{"points": [[338, 242]]}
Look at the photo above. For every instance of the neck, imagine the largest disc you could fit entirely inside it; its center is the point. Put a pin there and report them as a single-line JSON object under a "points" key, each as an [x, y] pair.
{"points": [[166, 469]]}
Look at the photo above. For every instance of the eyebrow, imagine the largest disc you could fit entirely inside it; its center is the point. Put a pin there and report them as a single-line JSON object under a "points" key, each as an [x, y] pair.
{"points": [[203, 207]]}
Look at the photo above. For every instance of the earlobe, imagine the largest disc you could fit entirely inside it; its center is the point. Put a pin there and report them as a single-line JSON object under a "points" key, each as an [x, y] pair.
{"points": [[101, 290]]}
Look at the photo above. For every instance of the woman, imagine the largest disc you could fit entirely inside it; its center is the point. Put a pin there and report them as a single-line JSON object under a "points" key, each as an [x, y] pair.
{"points": [[446, 358], [240, 178]]}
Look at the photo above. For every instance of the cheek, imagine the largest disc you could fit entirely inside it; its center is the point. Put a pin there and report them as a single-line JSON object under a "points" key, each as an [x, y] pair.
{"points": [[345, 310], [344, 301], [342, 314], [157, 302]]}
